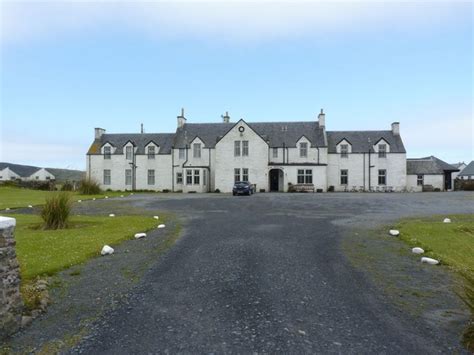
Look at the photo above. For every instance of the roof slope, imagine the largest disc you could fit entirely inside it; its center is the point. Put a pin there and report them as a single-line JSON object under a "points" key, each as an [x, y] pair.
{"points": [[277, 134], [468, 170], [428, 166], [22, 170], [140, 140], [360, 143]]}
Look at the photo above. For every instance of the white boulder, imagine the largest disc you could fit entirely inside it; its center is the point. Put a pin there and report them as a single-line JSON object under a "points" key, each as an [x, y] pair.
{"points": [[446, 220], [111, 215], [417, 250], [156, 217], [429, 261], [106, 250], [394, 232], [140, 235], [161, 226]]}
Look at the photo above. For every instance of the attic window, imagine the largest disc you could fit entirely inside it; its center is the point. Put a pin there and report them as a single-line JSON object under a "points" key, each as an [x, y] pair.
{"points": [[344, 150], [151, 152], [382, 150], [107, 152], [128, 153], [303, 150]]}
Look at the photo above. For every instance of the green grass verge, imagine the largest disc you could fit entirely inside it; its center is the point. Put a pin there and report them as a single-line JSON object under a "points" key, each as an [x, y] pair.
{"points": [[45, 252], [14, 197]]}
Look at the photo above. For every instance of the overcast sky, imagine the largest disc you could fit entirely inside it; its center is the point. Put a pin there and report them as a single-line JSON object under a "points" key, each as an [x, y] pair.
{"points": [[67, 67]]}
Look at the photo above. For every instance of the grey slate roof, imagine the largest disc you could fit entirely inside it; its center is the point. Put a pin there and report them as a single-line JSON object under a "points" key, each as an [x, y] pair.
{"points": [[428, 166], [468, 170], [211, 133], [22, 170], [360, 143], [118, 140], [457, 165]]}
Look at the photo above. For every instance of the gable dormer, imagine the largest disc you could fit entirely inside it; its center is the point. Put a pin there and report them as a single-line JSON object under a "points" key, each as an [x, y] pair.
{"points": [[303, 145], [381, 147], [196, 148], [129, 150], [151, 149], [344, 147], [107, 149]]}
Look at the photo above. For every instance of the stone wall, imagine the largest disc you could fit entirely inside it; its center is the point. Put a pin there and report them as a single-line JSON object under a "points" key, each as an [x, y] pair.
{"points": [[11, 304]]}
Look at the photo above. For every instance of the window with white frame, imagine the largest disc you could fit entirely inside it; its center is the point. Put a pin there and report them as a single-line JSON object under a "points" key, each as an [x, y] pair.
{"points": [[275, 152], [420, 180], [107, 177], [303, 150], [151, 152], [189, 177], [128, 152], [245, 148], [382, 177], [382, 150], [305, 176], [344, 177], [237, 174], [128, 176], [204, 177], [344, 150], [245, 174], [182, 153], [179, 178], [197, 150], [151, 177], [197, 177], [236, 148], [107, 152]]}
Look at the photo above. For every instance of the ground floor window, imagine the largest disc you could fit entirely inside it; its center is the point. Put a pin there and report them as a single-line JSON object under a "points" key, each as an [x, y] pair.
{"points": [[179, 178], [107, 177], [419, 180], [305, 176], [204, 177], [151, 177], [189, 177], [382, 177], [197, 177], [236, 174], [128, 176], [344, 177], [245, 174]]}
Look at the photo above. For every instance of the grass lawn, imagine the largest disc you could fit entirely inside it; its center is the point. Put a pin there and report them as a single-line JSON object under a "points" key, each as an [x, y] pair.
{"points": [[45, 252], [14, 197]]}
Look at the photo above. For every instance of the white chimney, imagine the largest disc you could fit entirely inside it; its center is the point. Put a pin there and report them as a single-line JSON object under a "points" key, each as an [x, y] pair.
{"points": [[99, 132], [396, 128], [226, 117], [181, 119], [322, 119]]}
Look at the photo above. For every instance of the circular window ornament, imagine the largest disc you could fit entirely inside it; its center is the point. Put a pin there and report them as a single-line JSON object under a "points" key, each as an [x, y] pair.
{"points": [[241, 129]]}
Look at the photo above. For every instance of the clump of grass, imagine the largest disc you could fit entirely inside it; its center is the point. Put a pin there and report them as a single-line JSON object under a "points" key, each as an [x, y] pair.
{"points": [[468, 298], [56, 211], [89, 187]]}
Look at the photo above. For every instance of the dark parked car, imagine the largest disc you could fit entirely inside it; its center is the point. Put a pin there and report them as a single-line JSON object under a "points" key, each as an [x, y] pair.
{"points": [[243, 188]]}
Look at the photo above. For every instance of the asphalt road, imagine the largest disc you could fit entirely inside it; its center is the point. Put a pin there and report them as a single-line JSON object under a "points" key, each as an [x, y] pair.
{"points": [[266, 274]]}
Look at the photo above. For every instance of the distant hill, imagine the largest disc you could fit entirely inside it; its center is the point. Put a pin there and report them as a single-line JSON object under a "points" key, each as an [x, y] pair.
{"points": [[60, 174]]}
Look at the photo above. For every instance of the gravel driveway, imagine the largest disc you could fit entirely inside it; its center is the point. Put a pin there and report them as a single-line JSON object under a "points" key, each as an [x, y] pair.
{"points": [[267, 274]]}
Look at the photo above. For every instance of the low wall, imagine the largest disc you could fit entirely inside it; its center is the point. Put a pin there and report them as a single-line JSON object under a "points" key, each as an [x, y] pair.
{"points": [[11, 304]]}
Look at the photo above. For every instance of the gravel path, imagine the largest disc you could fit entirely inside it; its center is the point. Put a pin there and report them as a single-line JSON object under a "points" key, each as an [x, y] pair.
{"points": [[267, 274]]}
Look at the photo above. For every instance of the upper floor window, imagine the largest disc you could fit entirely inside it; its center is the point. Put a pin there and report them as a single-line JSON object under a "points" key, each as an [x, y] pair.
{"points": [[107, 177], [107, 152], [305, 176], [275, 152], [182, 153], [128, 152], [151, 177], [128, 176], [197, 150], [344, 177], [245, 148], [303, 150], [382, 150], [344, 150], [151, 152], [419, 180], [382, 177], [236, 148]]}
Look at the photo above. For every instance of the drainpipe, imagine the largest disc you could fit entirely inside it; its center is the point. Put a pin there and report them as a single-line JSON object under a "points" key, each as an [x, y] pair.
{"points": [[283, 153], [363, 169], [172, 169], [209, 172]]}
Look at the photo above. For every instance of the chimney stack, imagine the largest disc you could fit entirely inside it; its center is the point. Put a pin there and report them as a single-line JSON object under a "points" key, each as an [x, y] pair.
{"points": [[141, 130], [396, 128], [226, 117], [99, 132], [181, 119], [322, 119]]}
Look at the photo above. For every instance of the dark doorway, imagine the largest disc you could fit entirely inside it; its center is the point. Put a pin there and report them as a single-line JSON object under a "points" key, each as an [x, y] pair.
{"points": [[447, 180], [275, 175]]}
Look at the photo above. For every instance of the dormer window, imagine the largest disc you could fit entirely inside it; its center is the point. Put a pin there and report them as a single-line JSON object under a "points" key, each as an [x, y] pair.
{"points": [[382, 150], [151, 152], [344, 150], [128, 152], [197, 150], [303, 150], [107, 152]]}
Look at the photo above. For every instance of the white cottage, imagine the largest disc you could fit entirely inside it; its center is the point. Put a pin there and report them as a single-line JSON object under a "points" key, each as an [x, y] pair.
{"points": [[9, 171]]}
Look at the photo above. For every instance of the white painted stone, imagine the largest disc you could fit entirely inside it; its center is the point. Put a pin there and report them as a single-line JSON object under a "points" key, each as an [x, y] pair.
{"points": [[394, 232], [7, 222], [30, 206], [111, 215], [93, 199], [429, 261], [161, 226], [121, 196], [156, 217], [106, 197], [79, 201], [417, 250], [446, 220], [7, 209], [140, 235], [106, 250], [131, 194]]}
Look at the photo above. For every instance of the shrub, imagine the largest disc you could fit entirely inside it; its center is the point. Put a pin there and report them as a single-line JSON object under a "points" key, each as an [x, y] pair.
{"points": [[217, 191], [67, 186], [89, 187], [56, 211], [165, 191]]}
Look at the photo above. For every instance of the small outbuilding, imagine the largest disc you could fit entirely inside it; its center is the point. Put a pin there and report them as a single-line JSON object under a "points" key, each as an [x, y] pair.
{"points": [[468, 172], [429, 174]]}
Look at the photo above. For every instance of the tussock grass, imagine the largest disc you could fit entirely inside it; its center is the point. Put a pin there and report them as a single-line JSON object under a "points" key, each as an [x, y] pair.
{"points": [[55, 213], [89, 187]]}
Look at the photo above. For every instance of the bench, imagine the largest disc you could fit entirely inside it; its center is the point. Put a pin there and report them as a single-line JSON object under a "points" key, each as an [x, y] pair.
{"points": [[303, 187]]}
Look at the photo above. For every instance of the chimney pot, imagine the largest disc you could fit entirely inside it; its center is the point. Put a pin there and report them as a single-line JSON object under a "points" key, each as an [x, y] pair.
{"points": [[396, 128], [181, 119], [98, 132], [322, 119], [226, 117]]}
